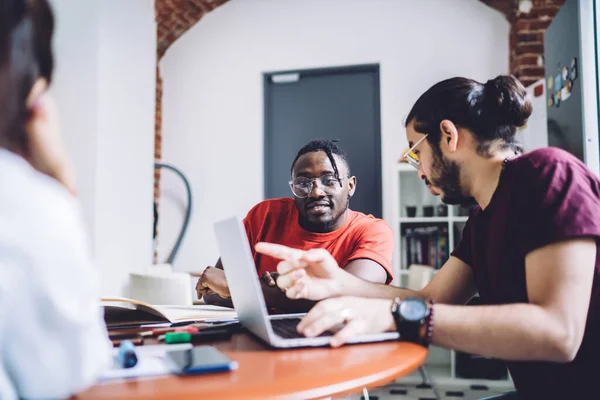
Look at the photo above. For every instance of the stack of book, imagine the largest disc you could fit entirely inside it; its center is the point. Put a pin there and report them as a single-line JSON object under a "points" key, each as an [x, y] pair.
{"points": [[425, 246]]}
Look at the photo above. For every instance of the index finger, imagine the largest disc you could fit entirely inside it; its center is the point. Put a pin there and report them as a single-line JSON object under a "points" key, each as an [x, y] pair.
{"points": [[278, 251]]}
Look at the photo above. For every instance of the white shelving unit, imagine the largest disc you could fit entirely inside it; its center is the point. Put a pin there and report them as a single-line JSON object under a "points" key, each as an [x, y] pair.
{"points": [[411, 191]]}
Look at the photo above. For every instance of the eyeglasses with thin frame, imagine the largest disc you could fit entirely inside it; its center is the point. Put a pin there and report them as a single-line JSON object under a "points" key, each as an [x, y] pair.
{"points": [[413, 158], [302, 187]]}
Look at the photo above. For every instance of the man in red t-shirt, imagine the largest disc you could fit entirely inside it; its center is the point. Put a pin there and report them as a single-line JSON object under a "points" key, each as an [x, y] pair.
{"points": [[317, 217], [530, 249]]}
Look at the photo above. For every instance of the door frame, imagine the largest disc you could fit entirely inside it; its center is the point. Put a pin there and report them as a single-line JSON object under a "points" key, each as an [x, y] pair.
{"points": [[349, 69], [589, 85]]}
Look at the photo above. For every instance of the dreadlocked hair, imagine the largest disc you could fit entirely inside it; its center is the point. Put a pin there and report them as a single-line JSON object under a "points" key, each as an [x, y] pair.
{"points": [[330, 148]]}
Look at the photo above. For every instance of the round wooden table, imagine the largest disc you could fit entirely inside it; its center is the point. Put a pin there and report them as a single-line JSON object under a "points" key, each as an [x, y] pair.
{"points": [[266, 373]]}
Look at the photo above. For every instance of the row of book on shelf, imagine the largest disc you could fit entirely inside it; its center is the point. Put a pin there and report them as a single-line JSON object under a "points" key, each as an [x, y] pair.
{"points": [[425, 246]]}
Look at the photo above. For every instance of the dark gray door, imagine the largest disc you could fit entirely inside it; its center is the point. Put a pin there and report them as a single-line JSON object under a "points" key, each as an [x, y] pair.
{"points": [[333, 103]]}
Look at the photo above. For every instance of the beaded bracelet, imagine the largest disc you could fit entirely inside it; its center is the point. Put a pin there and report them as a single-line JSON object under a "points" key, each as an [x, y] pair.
{"points": [[429, 324]]}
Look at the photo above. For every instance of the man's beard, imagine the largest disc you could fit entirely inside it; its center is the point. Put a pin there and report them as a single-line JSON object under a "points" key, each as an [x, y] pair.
{"points": [[325, 226], [448, 179]]}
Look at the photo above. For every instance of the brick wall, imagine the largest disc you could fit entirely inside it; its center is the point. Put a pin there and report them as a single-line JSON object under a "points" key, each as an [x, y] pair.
{"points": [[157, 133], [527, 35], [173, 19]]}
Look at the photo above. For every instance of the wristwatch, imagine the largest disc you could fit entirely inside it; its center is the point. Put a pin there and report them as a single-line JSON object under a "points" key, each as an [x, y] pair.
{"points": [[412, 316]]}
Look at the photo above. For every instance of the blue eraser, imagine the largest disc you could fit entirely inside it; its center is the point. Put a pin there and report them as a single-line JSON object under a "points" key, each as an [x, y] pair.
{"points": [[127, 357]]}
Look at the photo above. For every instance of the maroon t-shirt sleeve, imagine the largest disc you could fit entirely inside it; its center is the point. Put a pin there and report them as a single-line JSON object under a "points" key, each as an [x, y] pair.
{"points": [[463, 249], [560, 201]]}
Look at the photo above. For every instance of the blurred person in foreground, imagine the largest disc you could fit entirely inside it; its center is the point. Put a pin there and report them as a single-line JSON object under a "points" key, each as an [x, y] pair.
{"points": [[53, 341]]}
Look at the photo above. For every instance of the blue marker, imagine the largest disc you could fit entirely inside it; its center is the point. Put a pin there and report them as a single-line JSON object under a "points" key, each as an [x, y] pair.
{"points": [[127, 357]]}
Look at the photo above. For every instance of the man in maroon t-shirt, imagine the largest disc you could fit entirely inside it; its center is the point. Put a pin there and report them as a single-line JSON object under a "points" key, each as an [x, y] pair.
{"points": [[530, 249], [544, 199]]}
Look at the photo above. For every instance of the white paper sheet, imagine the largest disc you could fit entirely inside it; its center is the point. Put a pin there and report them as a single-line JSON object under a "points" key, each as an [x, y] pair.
{"points": [[151, 362]]}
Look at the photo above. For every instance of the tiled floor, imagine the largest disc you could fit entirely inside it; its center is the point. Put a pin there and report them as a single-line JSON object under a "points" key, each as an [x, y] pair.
{"points": [[411, 392]]}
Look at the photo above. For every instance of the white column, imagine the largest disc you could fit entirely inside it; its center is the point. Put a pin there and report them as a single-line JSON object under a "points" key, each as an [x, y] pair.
{"points": [[105, 88]]}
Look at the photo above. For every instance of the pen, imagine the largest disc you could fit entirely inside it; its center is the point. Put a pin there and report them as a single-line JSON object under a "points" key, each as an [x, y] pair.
{"points": [[137, 337], [203, 335], [156, 332], [232, 325]]}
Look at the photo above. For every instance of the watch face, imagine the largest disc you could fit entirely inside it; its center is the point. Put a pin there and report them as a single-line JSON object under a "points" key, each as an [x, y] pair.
{"points": [[413, 309]]}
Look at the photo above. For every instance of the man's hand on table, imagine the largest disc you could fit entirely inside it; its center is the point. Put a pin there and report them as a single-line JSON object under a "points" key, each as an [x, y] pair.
{"points": [[357, 316]]}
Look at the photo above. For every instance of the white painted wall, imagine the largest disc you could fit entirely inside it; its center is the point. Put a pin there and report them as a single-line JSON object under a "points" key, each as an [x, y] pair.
{"points": [[105, 88], [213, 94], [75, 88], [534, 134]]}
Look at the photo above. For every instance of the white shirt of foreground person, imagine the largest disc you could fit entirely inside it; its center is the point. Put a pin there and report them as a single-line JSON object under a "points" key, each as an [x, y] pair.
{"points": [[53, 342]]}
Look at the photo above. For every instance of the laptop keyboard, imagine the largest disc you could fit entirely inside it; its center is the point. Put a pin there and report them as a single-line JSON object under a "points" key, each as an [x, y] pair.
{"points": [[286, 328]]}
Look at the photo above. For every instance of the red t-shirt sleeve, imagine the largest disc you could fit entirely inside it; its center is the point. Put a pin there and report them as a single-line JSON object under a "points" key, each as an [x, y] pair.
{"points": [[253, 223], [562, 201], [376, 243]]}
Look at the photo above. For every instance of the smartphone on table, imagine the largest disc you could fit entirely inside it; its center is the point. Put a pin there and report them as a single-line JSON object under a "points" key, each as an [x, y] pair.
{"points": [[199, 359]]}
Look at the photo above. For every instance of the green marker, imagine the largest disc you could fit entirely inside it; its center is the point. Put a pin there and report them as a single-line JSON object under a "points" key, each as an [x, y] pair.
{"points": [[178, 337], [205, 335]]}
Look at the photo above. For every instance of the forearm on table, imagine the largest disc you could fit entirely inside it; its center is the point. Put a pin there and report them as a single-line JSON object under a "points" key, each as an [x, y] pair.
{"points": [[354, 286], [510, 332]]}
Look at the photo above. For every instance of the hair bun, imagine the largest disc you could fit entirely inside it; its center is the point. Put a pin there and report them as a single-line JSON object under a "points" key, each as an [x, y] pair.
{"points": [[506, 102]]}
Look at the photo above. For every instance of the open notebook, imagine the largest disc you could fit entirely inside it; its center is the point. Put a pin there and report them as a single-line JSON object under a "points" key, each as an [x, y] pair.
{"points": [[120, 311]]}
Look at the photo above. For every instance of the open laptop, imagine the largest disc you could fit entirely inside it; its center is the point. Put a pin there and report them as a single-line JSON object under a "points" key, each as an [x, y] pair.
{"points": [[246, 293]]}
